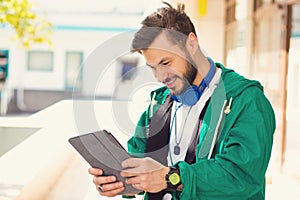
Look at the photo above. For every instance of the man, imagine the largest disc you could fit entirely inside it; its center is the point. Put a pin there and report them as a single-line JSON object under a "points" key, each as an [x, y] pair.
{"points": [[208, 134]]}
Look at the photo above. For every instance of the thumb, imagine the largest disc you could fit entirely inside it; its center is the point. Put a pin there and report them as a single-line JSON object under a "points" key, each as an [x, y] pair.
{"points": [[130, 162]]}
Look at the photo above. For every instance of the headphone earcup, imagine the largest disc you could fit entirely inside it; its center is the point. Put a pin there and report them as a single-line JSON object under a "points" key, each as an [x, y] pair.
{"points": [[190, 96]]}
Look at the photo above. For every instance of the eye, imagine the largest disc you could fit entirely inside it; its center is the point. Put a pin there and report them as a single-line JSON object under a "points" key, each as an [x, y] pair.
{"points": [[166, 63]]}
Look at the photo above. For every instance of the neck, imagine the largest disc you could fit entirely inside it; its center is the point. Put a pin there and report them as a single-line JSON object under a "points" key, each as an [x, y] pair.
{"points": [[203, 66]]}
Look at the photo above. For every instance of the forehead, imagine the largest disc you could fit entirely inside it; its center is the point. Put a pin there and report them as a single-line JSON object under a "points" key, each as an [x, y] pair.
{"points": [[162, 47]]}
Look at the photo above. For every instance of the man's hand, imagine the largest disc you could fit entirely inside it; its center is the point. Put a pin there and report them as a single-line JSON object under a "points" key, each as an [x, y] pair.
{"points": [[145, 174], [110, 187]]}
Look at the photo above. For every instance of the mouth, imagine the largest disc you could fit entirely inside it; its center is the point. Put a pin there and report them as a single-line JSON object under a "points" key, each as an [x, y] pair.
{"points": [[170, 82]]}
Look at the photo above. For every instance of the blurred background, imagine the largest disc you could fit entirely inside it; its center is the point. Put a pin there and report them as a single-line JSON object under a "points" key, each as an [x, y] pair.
{"points": [[44, 46]]}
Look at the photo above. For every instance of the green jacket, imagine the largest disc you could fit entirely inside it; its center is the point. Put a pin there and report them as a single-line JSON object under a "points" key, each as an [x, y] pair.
{"points": [[240, 157]]}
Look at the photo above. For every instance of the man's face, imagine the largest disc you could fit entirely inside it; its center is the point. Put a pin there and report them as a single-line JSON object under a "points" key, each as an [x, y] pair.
{"points": [[169, 65]]}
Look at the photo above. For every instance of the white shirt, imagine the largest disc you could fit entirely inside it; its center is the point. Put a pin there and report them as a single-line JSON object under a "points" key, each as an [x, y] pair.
{"points": [[186, 120]]}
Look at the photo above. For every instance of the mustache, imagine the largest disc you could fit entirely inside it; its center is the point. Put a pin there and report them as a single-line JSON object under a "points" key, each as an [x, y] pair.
{"points": [[168, 79]]}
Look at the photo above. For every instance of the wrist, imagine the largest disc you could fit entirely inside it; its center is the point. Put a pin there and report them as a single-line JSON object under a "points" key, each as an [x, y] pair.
{"points": [[165, 171], [173, 180]]}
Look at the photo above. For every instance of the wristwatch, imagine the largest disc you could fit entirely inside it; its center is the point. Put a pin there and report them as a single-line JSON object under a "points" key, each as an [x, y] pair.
{"points": [[173, 180]]}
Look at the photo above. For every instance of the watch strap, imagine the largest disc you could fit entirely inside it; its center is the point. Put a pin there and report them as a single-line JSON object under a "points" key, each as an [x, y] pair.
{"points": [[173, 180]]}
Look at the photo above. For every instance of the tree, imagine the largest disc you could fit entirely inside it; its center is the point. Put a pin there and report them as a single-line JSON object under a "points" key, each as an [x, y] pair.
{"points": [[29, 27]]}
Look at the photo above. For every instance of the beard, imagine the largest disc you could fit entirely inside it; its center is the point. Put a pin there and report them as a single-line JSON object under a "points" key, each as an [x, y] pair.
{"points": [[188, 77]]}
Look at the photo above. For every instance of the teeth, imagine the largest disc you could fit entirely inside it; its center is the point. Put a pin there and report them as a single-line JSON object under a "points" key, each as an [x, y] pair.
{"points": [[171, 80]]}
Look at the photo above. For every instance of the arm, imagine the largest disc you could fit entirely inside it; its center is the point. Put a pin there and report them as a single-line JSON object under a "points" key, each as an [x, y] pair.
{"points": [[137, 144], [136, 147], [238, 169], [145, 174]]}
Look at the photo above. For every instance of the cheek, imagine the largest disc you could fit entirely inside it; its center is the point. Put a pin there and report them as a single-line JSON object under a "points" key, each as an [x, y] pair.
{"points": [[154, 73], [180, 65], [179, 68]]}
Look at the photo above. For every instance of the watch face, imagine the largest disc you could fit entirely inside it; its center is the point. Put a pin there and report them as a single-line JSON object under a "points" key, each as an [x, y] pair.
{"points": [[174, 178]]}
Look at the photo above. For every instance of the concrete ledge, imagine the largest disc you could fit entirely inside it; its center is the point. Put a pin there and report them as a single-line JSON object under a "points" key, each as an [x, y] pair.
{"points": [[40, 186], [37, 164]]}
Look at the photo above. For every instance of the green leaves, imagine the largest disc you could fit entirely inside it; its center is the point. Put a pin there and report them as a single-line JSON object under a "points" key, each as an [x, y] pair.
{"points": [[29, 27]]}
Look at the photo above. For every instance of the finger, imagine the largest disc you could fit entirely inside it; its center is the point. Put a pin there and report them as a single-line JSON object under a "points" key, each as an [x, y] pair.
{"points": [[99, 180], [137, 186], [95, 171], [112, 186], [111, 193], [133, 180], [131, 162], [130, 172]]}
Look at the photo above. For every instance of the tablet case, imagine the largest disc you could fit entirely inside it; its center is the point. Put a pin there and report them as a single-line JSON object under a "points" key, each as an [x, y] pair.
{"points": [[101, 150]]}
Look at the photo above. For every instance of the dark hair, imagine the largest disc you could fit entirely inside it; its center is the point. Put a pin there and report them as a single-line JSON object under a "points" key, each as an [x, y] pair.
{"points": [[165, 18]]}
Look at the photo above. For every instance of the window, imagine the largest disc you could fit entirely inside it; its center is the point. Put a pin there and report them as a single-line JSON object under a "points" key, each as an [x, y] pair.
{"points": [[73, 70], [230, 11], [3, 65], [40, 61], [128, 69], [296, 20], [257, 4]]}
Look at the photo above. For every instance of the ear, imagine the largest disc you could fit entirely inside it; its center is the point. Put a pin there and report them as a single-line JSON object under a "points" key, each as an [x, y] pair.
{"points": [[192, 43]]}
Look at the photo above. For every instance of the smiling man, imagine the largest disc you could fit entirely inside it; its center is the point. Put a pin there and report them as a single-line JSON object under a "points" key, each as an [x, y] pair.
{"points": [[209, 136]]}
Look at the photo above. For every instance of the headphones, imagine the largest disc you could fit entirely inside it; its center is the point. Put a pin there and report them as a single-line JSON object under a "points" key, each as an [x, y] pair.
{"points": [[193, 93]]}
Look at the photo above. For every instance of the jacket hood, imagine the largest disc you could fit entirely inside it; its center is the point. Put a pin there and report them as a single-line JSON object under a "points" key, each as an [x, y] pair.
{"points": [[234, 88]]}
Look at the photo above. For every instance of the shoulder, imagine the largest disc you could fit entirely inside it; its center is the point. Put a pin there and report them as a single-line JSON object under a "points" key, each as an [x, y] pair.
{"points": [[236, 84]]}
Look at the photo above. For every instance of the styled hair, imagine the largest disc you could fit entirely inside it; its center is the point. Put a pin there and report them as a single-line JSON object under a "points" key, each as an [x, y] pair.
{"points": [[165, 18]]}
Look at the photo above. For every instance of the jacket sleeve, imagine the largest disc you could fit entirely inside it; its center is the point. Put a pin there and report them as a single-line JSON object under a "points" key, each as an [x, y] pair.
{"points": [[237, 171], [137, 143]]}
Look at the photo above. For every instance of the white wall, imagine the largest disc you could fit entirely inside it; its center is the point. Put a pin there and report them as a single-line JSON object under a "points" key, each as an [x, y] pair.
{"points": [[78, 26], [210, 27], [86, 25], [293, 82]]}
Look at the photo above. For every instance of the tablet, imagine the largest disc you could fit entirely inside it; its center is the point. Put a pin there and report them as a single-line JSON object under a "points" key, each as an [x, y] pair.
{"points": [[102, 150]]}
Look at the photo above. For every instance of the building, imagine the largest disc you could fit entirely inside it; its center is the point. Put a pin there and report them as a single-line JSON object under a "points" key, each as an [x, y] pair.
{"points": [[257, 38]]}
